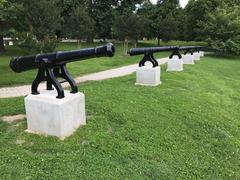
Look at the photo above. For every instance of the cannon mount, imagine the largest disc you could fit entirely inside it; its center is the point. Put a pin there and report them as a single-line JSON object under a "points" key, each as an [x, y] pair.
{"points": [[50, 75], [148, 57]]}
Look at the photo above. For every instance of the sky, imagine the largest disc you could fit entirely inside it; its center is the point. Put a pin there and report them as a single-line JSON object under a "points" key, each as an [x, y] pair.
{"points": [[182, 2]]}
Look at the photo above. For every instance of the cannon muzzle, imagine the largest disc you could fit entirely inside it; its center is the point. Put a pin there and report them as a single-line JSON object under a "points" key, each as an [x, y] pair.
{"points": [[20, 64]]}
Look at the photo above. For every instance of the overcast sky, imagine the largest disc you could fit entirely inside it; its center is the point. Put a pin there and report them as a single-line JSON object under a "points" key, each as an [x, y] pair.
{"points": [[182, 2]]}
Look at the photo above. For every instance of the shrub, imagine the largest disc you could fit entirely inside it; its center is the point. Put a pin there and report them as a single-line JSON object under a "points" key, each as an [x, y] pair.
{"points": [[29, 44]]}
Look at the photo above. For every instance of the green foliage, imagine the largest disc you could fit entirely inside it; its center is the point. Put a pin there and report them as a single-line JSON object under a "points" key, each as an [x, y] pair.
{"points": [[79, 24], [196, 11], [123, 6], [48, 44], [223, 29], [167, 7], [3, 23], [2, 2], [168, 29], [29, 44], [84, 19], [119, 19], [103, 14], [164, 19], [41, 18], [38, 20], [129, 26]]}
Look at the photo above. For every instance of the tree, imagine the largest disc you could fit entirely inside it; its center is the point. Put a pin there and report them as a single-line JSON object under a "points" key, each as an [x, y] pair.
{"points": [[164, 20], [222, 30], [4, 21], [129, 27], [2, 26], [168, 29], [103, 14], [181, 20], [196, 11], [168, 6], [145, 11], [40, 19], [8, 15], [79, 24], [124, 6]]}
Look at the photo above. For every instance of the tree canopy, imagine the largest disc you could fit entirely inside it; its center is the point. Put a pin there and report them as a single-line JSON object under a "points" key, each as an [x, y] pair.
{"points": [[222, 30], [46, 20]]}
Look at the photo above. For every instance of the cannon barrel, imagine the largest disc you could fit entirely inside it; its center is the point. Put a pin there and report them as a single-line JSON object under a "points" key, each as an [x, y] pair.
{"points": [[21, 64], [149, 50], [191, 49]]}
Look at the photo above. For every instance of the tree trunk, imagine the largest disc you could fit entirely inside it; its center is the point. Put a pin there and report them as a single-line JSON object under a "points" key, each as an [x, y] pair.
{"points": [[158, 41], [79, 43], [125, 47], [2, 48], [136, 43], [90, 39]]}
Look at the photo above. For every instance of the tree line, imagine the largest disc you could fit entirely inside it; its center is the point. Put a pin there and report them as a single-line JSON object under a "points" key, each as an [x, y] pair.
{"points": [[38, 25]]}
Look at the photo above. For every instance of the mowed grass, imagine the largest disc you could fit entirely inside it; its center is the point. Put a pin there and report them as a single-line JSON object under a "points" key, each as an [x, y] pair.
{"points": [[187, 128], [10, 78]]}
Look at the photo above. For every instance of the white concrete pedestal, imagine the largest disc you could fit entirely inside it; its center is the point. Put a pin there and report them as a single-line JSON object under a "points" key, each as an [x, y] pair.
{"points": [[148, 76], [201, 53], [10, 43], [175, 64], [188, 59], [196, 56], [47, 115]]}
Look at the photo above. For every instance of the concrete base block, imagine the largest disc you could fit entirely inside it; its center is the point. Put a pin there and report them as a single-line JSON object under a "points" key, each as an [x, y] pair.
{"points": [[47, 115], [188, 59], [196, 56], [148, 76], [175, 64], [201, 53]]}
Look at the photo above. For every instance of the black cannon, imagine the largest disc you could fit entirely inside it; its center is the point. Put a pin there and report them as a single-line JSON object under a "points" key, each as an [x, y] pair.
{"points": [[190, 49], [148, 53], [53, 65]]}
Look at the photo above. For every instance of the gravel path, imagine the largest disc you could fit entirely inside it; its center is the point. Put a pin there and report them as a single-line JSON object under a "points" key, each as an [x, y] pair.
{"points": [[7, 92]]}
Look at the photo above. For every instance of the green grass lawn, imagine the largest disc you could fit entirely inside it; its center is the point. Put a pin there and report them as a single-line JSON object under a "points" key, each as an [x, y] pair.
{"points": [[10, 78], [187, 128]]}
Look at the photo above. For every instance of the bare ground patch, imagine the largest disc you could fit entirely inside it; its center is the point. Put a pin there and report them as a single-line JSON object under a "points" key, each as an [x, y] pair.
{"points": [[11, 119]]}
